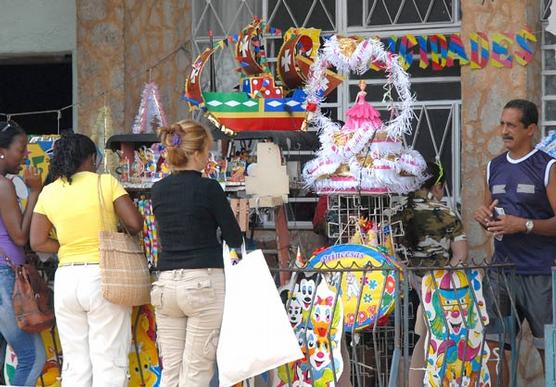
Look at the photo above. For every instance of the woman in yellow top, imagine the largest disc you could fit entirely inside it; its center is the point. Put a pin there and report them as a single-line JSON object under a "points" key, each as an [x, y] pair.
{"points": [[95, 334]]}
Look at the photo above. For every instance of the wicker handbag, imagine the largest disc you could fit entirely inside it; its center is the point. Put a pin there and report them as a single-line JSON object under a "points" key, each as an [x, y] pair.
{"points": [[125, 276]]}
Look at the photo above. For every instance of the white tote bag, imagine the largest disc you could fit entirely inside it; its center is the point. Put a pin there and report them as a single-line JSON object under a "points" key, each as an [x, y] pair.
{"points": [[256, 334]]}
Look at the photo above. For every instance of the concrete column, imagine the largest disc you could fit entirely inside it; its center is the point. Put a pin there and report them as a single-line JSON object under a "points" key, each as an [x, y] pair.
{"points": [[485, 92], [100, 62], [117, 41], [153, 30]]}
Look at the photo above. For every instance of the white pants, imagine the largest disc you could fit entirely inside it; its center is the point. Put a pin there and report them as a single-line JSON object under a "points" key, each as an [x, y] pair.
{"points": [[95, 334], [189, 306]]}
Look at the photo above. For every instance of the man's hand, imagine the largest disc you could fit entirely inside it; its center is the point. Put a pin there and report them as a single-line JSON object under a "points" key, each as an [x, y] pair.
{"points": [[483, 214], [507, 224]]}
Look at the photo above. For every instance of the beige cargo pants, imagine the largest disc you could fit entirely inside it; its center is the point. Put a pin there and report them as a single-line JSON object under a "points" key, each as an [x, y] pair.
{"points": [[189, 306]]}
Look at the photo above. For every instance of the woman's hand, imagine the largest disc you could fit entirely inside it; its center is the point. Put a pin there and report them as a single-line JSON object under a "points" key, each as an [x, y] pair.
{"points": [[33, 179]]}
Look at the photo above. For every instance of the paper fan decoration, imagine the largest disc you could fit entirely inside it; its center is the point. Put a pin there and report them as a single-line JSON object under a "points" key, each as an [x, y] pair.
{"points": [[150, 115]]}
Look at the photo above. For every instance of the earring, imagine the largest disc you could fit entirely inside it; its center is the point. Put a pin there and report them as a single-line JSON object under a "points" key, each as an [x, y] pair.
{"points": [[2, 157]]}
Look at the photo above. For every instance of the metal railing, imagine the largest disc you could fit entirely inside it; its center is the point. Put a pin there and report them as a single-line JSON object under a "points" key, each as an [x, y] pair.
{"points": [[377, 351]]}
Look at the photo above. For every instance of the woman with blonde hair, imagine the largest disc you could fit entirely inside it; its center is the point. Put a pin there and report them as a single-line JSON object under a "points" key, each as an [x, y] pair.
{"points": [[189, 294]]}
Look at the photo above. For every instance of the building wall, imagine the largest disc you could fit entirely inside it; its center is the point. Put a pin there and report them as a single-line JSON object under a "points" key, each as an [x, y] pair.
{"points": [[484, 93], [117, 41], [37, 27]]}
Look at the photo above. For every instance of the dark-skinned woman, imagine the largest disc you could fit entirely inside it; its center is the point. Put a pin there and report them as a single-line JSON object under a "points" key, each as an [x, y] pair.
{"points": [[95, 334]]}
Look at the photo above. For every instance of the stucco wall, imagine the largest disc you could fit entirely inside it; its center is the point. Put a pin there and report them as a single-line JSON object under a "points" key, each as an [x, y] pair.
{"points": [[118, 40], [37, 26], [484, 93]]}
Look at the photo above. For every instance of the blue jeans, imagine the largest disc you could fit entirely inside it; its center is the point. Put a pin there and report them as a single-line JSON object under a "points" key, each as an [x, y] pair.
{"points": [[28, 347]]}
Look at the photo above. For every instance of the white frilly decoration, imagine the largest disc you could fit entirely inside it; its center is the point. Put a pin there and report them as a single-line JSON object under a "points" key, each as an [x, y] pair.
{"points": [[150, 115], [367, 51], [371, 159], [548, 144]]}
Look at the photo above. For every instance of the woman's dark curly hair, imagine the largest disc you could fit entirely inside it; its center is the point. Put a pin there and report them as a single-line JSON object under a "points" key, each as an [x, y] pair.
{"points": [[69, 153], [9, 130]]}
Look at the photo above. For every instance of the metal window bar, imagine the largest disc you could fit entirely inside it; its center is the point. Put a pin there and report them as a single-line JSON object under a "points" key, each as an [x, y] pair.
{"points": [[548, 121], [545, 9], [394, 13]]}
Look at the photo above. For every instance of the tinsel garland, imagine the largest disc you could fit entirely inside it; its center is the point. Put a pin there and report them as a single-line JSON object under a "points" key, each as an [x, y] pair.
{"points": [[366, 52], [370, 159], [103, 129], [150, 115]]}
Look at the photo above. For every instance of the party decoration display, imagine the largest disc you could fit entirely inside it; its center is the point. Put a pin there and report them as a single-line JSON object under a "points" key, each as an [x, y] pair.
{"points": [[144, 365], [260, 104], [39, 150], [445, 49], [148, 165], [316, 315], [150, 230], [299, 44], [501, 56], [479, 50], [423, 56], [103, 129], [439, 51], [456, 51], [268, 178], [457, 352], [150, 115], [365, 155], [407, 42], [523, 39], [548, 144], [368, 293]]}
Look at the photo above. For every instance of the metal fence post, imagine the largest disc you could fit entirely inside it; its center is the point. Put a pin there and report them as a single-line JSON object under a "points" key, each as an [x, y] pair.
{"points": [[550, 340]]}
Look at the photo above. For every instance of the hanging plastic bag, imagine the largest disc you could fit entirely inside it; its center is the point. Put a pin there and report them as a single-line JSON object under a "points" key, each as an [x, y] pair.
{"points": [[256, 335]]}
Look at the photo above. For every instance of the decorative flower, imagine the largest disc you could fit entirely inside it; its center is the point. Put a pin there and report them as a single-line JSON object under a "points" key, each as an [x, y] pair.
{"points": [[390, 284], [362, 317], [373, 284], [176, 139], [367, 298]]}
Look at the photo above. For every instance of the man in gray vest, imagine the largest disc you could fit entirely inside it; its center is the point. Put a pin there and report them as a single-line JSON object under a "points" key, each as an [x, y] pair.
{"points": [[519, 210]]}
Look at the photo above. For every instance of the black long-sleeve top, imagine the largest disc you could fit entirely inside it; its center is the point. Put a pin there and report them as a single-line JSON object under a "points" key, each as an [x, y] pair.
{"points": [[189, 209]]}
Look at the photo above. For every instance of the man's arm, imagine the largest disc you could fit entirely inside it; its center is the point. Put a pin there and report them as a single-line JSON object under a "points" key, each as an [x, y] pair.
{"points": [[459, 252], [510, 224]]}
